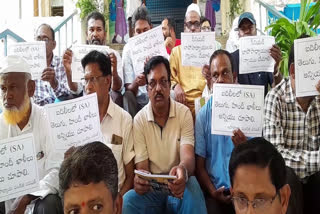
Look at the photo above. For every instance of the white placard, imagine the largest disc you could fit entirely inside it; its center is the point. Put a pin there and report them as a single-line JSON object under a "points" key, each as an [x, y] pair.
{"points": [[34, 53], [306, 64], [197, 48], [74, 122], [254, 54], [146, 45], [18, 167], [237, 106], [79, 51]]}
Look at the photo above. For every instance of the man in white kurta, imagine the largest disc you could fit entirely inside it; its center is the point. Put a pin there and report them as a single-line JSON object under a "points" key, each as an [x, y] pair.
{"points": [[20, 117]]}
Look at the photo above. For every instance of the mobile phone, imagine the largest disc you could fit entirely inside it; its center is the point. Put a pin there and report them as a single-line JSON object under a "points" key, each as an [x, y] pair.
{"points": [[226, 192]]}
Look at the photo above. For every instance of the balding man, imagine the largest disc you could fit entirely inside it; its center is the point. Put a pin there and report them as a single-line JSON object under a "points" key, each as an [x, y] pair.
{"points": [[187, 81], [20, 117]]}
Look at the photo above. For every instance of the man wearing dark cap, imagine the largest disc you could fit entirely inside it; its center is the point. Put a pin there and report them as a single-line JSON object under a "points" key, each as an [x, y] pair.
{"points": [[247, 27]]}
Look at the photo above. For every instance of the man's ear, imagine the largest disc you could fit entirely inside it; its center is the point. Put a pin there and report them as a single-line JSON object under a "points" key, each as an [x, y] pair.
{"points": [[54, 44], [285, 193], [117, 209], [31, 86], [292, 71]]}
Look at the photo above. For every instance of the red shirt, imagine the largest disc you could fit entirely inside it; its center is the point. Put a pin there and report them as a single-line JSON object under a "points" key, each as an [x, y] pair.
{"points": [[178, 42]]}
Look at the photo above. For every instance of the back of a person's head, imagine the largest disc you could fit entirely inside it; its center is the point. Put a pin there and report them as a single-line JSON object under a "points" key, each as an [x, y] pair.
{"points": [[141, 13], [260, 153], [99, 58], [95, 15], [91, 163]]}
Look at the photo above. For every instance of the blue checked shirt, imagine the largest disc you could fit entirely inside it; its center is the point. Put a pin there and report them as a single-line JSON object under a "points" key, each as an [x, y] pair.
{"points": [[44, 93], [294, 133]]}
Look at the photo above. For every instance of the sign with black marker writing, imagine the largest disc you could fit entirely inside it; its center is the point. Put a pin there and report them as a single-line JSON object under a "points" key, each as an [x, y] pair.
{"points": [[237, 107], [197, 48], [307, 66], [18, 167], [146, 45], [254, 54], [79, 51], [74, 122], [34, 53]]}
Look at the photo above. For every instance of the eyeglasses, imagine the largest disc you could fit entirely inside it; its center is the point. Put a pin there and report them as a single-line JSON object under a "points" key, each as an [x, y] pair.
{"points": [[260, 205], [45, 39], [163, 84], [94, 80], [195, 24]]}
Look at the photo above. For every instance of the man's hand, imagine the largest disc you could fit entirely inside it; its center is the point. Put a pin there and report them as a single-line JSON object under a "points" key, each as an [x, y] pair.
{"points": [[206, 72], [141, 186], [169, 43], [113, 60], [25, 200], [49, 75], [179, 184], [67, 60], [275, 53], [218, 194], [141, 80], [179, 94], [238, 137]]}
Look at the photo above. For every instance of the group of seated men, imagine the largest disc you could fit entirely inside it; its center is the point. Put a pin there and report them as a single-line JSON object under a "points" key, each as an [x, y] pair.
{"points": [[157, 132]]}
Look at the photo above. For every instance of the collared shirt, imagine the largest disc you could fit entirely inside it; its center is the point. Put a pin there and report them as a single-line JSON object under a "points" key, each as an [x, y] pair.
{"points": [[259, 78], [188, 77], [119, 123], [129, 75], [161, 145], [49, 162], [216, 149], [44, 93], [295, 134]]}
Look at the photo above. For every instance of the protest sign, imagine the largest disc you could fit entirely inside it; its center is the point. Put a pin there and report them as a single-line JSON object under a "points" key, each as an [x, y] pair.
{"points": [[79, 51], [146, 45], [74, 122], [197, 48], [237, 106], [307, 66], [254, 54], [34, 53], [18, 167]]}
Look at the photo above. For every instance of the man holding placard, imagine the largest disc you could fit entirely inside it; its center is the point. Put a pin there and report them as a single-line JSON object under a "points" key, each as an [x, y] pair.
{"points": [[247, 28], [164, 144], [20, 117], [116, 123], [292, 125], [54, 74], [135, 97], [212, 150], [187, 81], [96, 35]]}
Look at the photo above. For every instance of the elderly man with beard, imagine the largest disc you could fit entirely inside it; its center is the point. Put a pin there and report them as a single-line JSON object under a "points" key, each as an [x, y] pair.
{"points": [[19, 117], [96, 35], [164, 144]]}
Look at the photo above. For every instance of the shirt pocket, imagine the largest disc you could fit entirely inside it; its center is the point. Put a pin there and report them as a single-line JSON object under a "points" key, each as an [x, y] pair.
{"points": [[117, 152]]}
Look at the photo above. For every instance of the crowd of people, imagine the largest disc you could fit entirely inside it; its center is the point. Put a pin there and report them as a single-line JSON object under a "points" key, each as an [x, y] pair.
{"points": [[152, 117]]}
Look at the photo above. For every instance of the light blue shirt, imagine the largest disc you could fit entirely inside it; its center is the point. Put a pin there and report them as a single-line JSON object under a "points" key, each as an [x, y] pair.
{"points": [[216, 149]]}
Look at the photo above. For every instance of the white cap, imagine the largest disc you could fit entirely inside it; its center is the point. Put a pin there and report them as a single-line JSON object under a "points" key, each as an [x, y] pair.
{"points": [[193, 7], [14, 64]]}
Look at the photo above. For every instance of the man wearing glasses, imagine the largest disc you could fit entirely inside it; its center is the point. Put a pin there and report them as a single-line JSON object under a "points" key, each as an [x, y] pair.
{"points": [[187, 81], [258, 178], [53, 82], [164, 144], [116, 123]]}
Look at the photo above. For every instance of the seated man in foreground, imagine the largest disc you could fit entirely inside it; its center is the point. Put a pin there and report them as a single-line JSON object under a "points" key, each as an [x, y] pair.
{"points": [[213, 151], [88, 181], [164, 144], [258, 178], [19, 117]]}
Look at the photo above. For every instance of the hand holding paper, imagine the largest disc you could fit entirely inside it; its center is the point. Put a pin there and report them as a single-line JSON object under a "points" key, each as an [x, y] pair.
{"points": [[179, 184]]}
